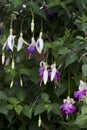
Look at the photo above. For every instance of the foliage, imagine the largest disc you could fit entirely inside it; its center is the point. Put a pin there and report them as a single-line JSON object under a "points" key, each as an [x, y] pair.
{"points": [[64, 26]]}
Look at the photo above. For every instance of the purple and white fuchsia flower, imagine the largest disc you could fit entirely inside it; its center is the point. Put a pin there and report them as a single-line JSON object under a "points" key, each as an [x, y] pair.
{"points": [[82, 90], [39, 44], [54, 73], [9, 44], [31, 48], [68, 108], [43, 72], [21, 41]]}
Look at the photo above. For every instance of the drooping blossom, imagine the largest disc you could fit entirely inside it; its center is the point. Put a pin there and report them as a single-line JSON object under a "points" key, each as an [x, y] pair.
{"points": [[43, 72], [82, 90], [9, 44], [54, 74], [67, 107], [31, 48], [39, 44], [21, 41]]}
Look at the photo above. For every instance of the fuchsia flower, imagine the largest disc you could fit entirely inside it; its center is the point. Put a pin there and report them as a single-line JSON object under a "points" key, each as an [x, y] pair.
{"points": [[68, 108], [54, 74], [82, 90], [43, 72]]}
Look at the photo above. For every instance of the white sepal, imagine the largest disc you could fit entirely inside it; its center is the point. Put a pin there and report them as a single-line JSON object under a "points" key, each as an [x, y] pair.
{"points": [[39, 45], [10, 42], [82, 85], [53, 72], [20, 43], [45, 76]]}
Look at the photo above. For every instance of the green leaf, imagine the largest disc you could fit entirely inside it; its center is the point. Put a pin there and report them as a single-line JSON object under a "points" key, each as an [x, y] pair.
{"points": [[56, 109], [40, 108], [71, 57], [81, 121], [18, 109], [3, 108], [48, 107], [16, 3], [13, 100], [45, 96], [27, 111], [24, 71], [84, 109], [20, 94], [63, 50], [84, 70], [3, 96], [9, 106]]}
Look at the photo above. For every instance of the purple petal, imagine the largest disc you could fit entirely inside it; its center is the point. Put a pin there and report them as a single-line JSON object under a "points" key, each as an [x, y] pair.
{"points": [[7, 48], [41, 71], [80, 94], [31, 48]]}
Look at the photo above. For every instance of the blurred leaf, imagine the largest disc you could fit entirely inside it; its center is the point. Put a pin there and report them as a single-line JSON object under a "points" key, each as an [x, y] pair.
{"points": [[84, 69], [71, 57], [84, 109], [24, 71], [81, 121], [45, 96], [13, 101], [20, 94], [40, 108], [3, 108], [27, 111], [56, 109], [3, 96], [18, 109], [63, 50]]}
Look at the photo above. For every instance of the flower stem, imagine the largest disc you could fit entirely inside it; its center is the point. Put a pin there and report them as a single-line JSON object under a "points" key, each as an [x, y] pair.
{"points": [[69, 84]]}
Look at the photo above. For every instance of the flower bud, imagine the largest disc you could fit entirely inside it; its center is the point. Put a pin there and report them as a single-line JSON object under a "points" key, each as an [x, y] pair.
{"points": [[32, 25], [11, 85], [13, 64], [21, 82], [3, 58], [39, 121], [11, 31]]}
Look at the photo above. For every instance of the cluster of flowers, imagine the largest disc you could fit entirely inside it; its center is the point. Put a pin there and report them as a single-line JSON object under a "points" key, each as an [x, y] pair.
{"points": [[9, 44], [46, 72], [68, 104]]}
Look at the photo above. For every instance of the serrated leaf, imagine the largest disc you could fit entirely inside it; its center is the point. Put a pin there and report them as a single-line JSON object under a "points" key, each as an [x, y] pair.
{"points": [[81, 121], [56, 109], [45, 96], [71, 57], [39, 109], [3, 96], [24, 71], [27, 111], [84, 70], [13, 100], [20, 94], [84, 109], [63, 50], [18, 109]]}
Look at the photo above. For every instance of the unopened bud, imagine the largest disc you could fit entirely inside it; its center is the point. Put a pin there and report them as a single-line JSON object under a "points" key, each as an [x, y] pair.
{"points": [[40, 34], [11, 85], [11, 31], [3, 58], [21, 82], [32, 26], [13, 64], [39, 121]]}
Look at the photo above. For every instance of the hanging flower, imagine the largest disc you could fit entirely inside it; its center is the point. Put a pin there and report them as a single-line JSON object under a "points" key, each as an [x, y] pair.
{"points": [[82, 90], [9, 44], [67, 107], [43, 72], [21, 41], [39, 43], [31, 48], [54, 74]]}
